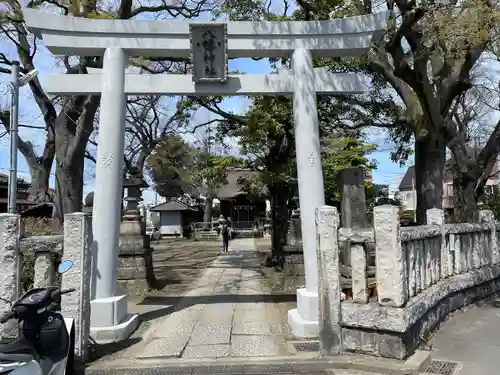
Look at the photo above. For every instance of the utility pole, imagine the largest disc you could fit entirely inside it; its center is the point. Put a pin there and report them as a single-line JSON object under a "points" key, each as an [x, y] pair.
{"points": [[209, 140], [414, 199], [13, 131]]}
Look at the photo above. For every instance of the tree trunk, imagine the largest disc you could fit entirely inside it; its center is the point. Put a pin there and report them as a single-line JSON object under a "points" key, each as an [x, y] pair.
{"points": [[74, 124], [39, 166], [430, 159], [69, 189], [465, 206], [39, 187], [279, 209]]}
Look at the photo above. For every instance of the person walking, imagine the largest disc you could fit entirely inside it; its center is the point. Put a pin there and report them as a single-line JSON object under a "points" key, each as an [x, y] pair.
{"points": [[225, 237]]}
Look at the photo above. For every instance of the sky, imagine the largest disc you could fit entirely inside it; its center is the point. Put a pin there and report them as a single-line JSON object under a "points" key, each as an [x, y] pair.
{"points": [[387, 172]]}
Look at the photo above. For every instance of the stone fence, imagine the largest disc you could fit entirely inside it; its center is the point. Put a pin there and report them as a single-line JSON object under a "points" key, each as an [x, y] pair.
{"points": [[47, 251], [422, 274]]}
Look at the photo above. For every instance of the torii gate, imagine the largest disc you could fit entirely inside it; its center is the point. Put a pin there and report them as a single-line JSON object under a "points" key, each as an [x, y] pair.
{"points": [[209, 45]]}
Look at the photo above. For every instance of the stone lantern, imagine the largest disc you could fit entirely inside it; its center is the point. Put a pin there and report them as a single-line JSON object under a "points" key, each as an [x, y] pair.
{"points": [[294, 237], [135, 269]]}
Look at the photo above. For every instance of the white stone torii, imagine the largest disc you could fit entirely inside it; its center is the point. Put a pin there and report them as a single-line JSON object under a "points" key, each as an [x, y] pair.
{"points": [[117, 40]]}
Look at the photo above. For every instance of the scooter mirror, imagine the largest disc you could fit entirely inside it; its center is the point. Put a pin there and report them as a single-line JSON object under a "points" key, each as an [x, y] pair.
{"points": [[65, 266]]}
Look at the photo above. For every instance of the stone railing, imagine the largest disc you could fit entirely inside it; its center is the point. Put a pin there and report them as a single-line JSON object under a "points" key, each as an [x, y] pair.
{"points": [[46, 250], [422, 274]]}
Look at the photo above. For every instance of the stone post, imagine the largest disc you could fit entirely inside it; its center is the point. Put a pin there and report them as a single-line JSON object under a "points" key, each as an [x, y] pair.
{"points": [[353, 205], [358, 273], [77, 243], [10, 269], [304, 320], [45, 271], [109, 319], [487, 217], [435, 216], [330, 334], [392, 287]]}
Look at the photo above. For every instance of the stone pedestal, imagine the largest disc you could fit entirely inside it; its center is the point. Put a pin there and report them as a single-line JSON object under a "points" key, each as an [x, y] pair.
{"points": [[135, 261]]}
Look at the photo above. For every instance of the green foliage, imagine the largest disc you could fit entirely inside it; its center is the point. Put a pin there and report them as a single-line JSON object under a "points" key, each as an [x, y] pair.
{"points": [[170, 165], [210, 171], [178, 168], [339, 154], [492, 202], [406, 218]]}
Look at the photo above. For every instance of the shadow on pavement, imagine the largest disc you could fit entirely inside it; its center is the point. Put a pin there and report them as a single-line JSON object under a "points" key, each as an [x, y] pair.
{"points": [[180, 303]]}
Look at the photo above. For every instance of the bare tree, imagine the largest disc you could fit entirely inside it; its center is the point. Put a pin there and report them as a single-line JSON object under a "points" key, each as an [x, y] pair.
{"points": [[475, 147], [70, 120]]}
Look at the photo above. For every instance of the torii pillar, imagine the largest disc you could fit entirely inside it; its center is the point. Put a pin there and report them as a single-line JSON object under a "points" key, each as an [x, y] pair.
{"points": [[304, 319]]}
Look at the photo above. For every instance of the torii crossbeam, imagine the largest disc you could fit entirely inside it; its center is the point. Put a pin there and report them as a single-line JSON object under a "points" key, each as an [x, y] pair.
{"points": [[209, 45]]}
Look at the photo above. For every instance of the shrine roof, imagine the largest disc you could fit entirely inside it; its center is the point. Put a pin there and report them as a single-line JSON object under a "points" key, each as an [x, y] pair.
{"points": [[233, 187], [172, 205]]}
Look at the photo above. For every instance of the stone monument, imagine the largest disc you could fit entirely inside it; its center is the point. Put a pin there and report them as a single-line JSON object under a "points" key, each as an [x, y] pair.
{"points": [[135, 267], [353, 205], [88, 203]]}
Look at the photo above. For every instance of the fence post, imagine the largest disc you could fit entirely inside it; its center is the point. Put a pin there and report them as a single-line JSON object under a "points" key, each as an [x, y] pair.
{"points": [[392, 288], [487, 217], [44, 271], [77, 242], [435, 216], [327, 250], [10, 269]]}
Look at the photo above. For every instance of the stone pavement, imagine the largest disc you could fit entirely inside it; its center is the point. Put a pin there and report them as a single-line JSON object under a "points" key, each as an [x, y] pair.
{"points": [[227, 313], [471, 339]]}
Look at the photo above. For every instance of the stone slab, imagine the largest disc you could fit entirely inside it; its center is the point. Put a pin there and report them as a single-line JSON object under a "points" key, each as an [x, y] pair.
{"points": [[201, 291], [211, 332], [178, 324], [206, 351], [251, 305], [228, 288], [298, 364], [164, 347], [257, 345], [220, 310], [255, 322]]}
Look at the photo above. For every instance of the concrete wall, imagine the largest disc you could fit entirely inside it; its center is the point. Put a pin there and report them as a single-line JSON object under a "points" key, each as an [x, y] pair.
{"points": [[171, 223]]}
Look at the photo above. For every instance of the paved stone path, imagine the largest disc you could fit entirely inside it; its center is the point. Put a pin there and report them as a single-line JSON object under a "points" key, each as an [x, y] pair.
{"points": [[228, 312], [471, 339]]}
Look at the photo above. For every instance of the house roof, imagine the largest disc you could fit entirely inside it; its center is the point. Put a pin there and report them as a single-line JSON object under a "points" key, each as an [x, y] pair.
{"points": [[233, 188], [408, 179], [172, 205], [407, 182], [4, 179]]}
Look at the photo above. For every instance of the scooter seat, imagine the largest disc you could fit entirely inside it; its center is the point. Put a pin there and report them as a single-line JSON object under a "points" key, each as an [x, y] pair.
{"points": [[17, 347]]}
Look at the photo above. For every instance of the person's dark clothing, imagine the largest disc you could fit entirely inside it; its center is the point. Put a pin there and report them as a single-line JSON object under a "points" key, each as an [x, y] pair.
{"points": [[225, 238]]}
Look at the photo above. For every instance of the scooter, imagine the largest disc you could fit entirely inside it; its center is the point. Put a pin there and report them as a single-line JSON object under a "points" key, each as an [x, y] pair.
{"points": [[46, 339]]}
